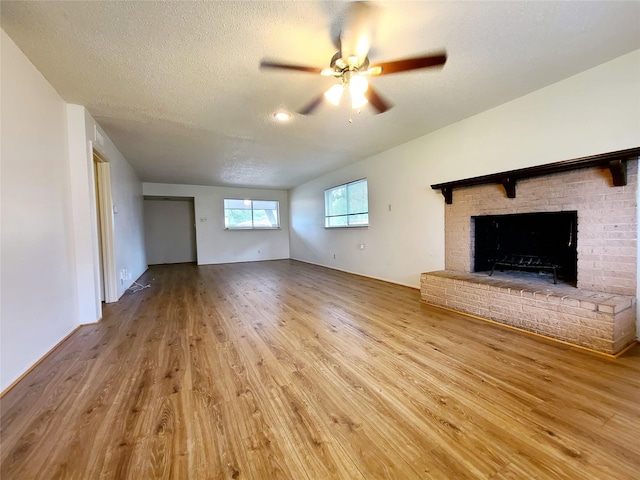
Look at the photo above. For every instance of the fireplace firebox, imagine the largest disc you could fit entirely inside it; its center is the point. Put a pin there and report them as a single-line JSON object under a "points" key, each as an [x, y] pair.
{"points": [[535, 242]]}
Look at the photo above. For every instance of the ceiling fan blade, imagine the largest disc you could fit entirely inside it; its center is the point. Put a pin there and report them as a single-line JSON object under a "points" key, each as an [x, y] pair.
{"points": [[376, 100], [358, 31], [288, 66], [315, 103], [414, 63]]}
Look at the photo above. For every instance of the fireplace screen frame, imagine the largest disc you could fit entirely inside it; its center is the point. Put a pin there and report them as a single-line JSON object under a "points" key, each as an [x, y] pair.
{"points": [[552, 237]]}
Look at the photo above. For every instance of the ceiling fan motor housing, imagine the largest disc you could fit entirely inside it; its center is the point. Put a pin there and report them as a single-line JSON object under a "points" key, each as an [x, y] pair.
{"points": [[340, 66]]}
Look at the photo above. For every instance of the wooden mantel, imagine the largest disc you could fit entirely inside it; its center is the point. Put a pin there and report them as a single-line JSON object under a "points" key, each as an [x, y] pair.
{"points": [[615, 161]]}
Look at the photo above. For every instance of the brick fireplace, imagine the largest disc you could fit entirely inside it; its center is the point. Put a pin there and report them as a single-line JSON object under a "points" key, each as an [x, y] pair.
{"points": [[596, 309]]}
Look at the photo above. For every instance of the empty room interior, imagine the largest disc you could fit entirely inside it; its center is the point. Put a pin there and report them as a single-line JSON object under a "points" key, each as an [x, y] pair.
{"points": [[319, 240]]}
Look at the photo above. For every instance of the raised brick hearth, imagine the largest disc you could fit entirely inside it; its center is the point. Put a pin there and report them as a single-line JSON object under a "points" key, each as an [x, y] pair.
{"points": [[600, 321], [599, 312]]}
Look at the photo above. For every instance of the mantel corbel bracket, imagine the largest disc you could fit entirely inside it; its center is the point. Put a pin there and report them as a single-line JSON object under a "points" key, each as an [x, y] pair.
{"points": [[447, 193], [618, 169], [509, 184]]}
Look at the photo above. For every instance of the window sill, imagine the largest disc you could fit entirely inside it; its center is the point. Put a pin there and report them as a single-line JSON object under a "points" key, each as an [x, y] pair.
{"points": [[346, 226], [250, 229]]}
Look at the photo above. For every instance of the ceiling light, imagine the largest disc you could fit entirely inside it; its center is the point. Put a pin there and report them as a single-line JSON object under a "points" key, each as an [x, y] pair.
{"points": [[334, 94], [357, 88], [282, 116], [358, 85], [363, 47], [358, 101]]}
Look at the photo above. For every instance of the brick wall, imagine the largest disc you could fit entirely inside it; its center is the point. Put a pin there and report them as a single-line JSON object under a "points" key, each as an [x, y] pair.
{"points": [[607, 222], [598, 321]]}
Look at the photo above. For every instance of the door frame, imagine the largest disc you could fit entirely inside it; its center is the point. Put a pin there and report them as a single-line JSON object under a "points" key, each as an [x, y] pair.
{"points": [[104, 225]]}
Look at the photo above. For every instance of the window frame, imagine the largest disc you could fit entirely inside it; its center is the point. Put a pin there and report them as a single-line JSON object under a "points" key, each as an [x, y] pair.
{"points": [[349, 214], [253, 226]]}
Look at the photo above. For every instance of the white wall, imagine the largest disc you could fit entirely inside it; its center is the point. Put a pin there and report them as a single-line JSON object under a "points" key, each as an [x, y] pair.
{"points": [[48, 241], [37, 298], [169, 231], [214, 243], [593, 112], [83, 212]]}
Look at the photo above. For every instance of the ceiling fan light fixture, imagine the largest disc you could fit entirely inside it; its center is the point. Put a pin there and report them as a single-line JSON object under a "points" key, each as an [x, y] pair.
{"points": [[358, 85], [334, 94], [363, 47], [282, 116], [358, 101], [377, 70]]}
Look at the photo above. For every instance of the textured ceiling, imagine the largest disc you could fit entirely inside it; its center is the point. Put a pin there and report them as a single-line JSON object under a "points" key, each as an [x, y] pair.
{"points": [[176, 85]]}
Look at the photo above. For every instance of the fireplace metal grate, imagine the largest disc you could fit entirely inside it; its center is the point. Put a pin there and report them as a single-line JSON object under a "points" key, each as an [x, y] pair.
{"points": [[527, 262]]}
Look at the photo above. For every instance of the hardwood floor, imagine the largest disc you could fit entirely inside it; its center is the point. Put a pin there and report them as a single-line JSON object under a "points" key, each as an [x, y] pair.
{"points": [[286, 370]]}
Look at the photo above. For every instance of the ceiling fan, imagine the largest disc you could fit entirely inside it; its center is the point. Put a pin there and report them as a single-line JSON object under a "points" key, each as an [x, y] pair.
{"points": [[350, 65]]}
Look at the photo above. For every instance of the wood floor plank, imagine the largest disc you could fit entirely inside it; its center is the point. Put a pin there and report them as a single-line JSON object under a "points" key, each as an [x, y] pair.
{"points": [[285, 370]]}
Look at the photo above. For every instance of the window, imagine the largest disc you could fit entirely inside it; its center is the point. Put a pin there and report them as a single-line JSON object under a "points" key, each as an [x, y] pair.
{"points": [[251, 214], [347, 205]]}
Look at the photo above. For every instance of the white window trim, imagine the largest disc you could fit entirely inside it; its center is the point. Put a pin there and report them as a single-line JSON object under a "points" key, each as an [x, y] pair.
{"points": [[346, 185], [278, 227]]}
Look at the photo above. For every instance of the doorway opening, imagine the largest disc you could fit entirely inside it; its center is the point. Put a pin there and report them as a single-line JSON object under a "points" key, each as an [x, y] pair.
{"points": [[170, 230]]}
